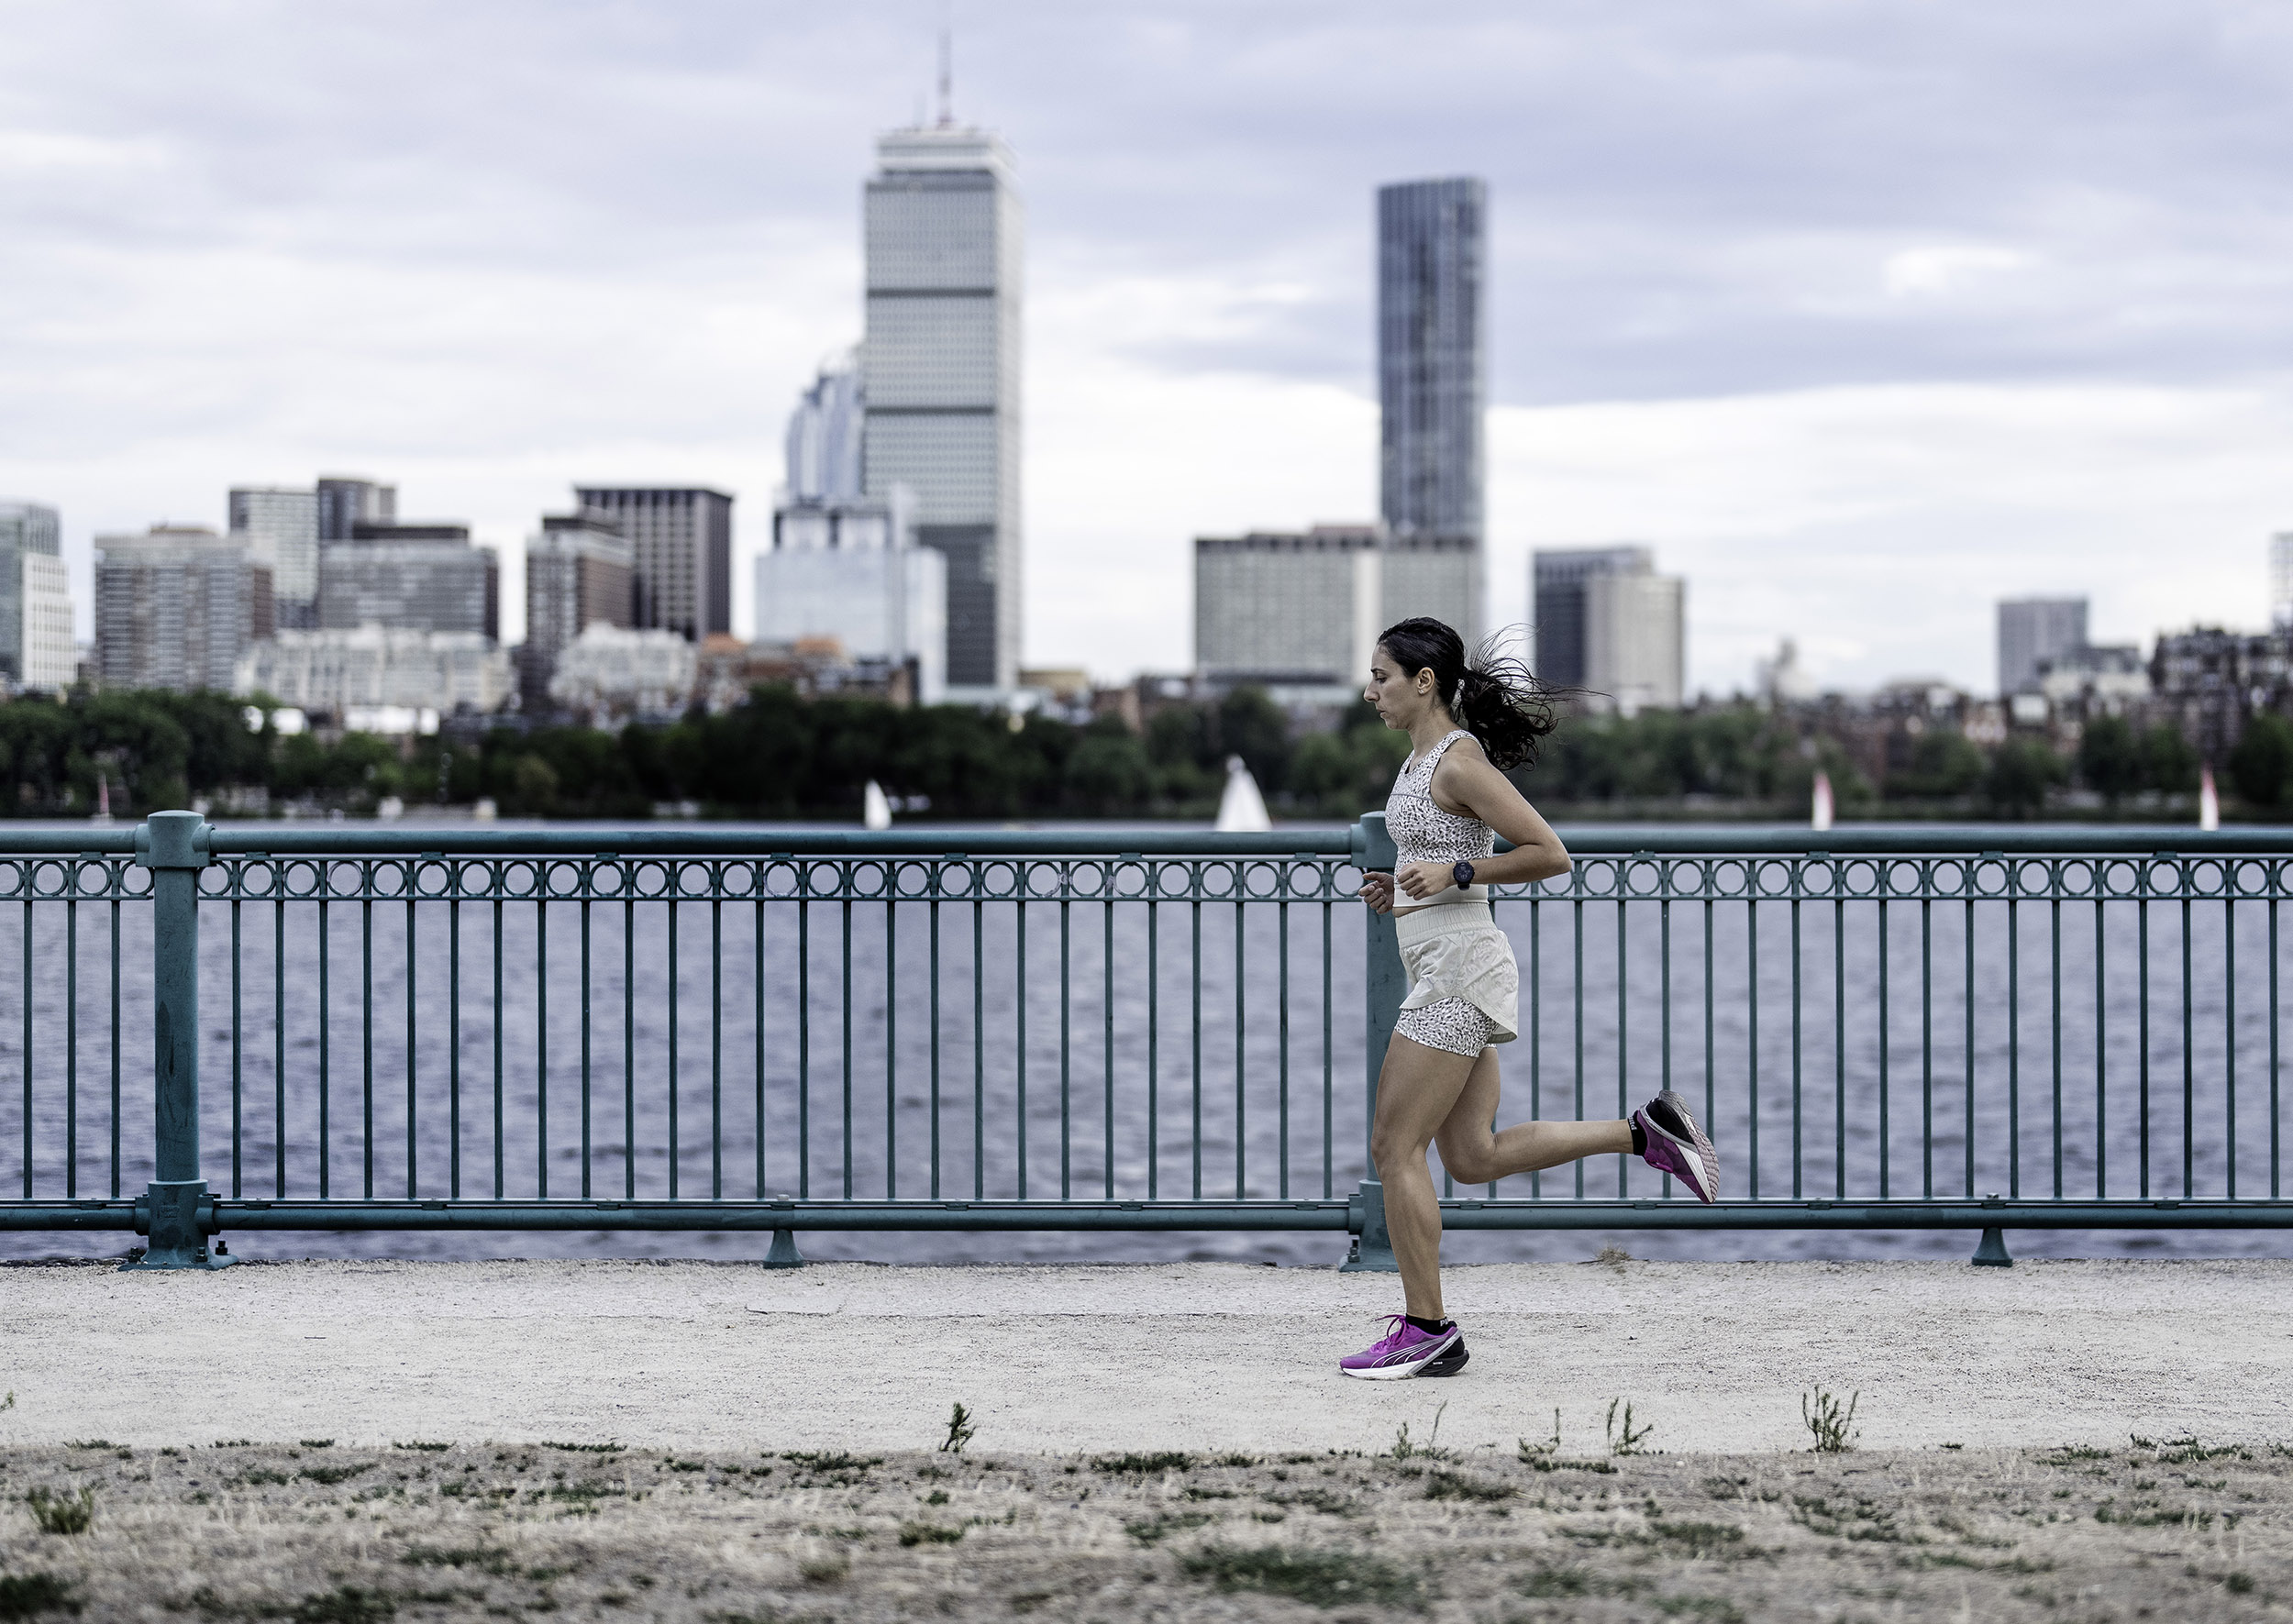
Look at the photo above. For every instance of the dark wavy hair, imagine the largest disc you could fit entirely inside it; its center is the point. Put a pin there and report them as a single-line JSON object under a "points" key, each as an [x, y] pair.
{"points": [[1493, 695]]}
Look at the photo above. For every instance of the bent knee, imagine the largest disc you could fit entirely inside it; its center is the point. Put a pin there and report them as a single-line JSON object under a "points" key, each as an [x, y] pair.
{"points": [[1472, 1169]]}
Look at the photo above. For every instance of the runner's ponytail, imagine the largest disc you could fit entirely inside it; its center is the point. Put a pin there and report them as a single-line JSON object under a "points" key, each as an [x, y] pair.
{"points": [[1493, 695]]}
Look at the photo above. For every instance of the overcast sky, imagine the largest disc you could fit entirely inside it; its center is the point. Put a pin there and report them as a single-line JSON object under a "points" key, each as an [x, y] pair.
{"points": [[1862, 315]]}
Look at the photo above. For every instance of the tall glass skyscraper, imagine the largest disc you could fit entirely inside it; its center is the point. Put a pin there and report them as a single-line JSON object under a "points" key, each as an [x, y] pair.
{"points": [[1433, 362], [31, 586], [940, 376]]}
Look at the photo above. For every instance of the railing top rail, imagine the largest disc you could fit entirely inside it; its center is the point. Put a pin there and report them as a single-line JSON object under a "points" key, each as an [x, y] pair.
{"points": [[739, 839]]}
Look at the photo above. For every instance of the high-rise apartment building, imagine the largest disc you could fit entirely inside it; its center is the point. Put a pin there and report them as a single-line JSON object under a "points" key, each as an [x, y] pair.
{"points": [[36, 646], [1433, 356], [579, 573], [176, 607], [2281, 579], [1605, 622], [940, 374], [1434, 575], [343, 501], [2032, 630], [680, 547], [1295, 612], [850, 568], [418, 578], [280, 525]]}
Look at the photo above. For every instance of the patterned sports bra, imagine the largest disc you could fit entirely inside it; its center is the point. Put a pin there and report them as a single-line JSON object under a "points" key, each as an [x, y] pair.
{"points": [[1423, 833]]}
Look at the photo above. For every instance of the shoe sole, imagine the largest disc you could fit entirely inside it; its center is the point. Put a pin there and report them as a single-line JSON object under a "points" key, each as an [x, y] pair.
{"points": [[1698, 1146], [1439, 1364]]}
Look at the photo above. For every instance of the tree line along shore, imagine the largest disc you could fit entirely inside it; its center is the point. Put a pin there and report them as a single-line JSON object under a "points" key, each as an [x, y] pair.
{"points": [[778, 755]]}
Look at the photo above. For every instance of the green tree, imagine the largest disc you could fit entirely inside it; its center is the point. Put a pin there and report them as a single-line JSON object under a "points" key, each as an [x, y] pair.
{"points": [[2169, 762], [1108, 770], [1945, 764], [2021, 771], [2110, 760], [2261, 766]]}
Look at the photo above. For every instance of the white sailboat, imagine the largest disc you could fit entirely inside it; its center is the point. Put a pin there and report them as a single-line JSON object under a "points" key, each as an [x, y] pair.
{"points": [[1820, 815], [2208, 800], [875, 810], [1241, 809]]}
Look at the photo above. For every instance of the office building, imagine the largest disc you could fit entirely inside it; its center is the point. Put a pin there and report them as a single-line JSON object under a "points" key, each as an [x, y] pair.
{"points": [[940, 373], [353, 673], [342, 501], [280, 527], [176, 607], [1297, 614], [2032, 630], [579, 573], [2281, 579], [1434, 575], [1605, 622], [418, 578], [680, 549], [824, 434], [851, 569], [36, 646], [1433, 353], [612, 674]]}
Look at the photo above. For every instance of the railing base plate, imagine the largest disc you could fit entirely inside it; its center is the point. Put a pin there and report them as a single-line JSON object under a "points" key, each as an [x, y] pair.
{"points": [[1992, 1253], [784, 1254]]}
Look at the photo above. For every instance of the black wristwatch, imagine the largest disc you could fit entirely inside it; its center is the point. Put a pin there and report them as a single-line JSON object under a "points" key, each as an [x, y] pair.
{"points": [[1463, 875]]}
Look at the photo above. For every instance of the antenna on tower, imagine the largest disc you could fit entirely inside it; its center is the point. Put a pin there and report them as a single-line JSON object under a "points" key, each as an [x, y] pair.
{"points": [[947, 67]]}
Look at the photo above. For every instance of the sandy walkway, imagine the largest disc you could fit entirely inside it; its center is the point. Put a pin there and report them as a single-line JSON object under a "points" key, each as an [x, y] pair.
{"points": [[1161, 1356]]}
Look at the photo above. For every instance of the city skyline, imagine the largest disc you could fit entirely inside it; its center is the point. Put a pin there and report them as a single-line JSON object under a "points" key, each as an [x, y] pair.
{"points": [[1757, 301]]}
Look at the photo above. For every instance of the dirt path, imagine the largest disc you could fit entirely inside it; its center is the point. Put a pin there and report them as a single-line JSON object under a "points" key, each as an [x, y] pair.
{"points": [[321, 1533], [1207, 1357]]}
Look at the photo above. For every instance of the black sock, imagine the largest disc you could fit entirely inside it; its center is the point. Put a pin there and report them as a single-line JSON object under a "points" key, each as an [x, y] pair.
{"points": [[1640, 1139], [1430, 1327]]}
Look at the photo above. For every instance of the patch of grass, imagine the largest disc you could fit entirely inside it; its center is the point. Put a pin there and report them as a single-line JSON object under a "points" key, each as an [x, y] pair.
{"points": [[1430, 1449], [27, 1596], [1236, 1460], [824, 1567], [488, 1559], [346, 1603], [1329, 1502], [1699, 1539], [831, 1460], [1862, 1519], [578, 1449], [1454, 1485], [318, 1443], [686, 1466], [331, 1476], [1560, 1582], [1625, 1439], [261, 1475], [928, 1533], [1318, 1578], [960, 1432], [2075, 1452], [61, 1514], [1830, 1424], [1153, 1530], [435, 1448], [1143, 1465], [1699, 1606]]}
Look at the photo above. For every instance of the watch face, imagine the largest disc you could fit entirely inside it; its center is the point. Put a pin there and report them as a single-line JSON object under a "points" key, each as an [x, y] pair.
{"points": [[1463, 874]]}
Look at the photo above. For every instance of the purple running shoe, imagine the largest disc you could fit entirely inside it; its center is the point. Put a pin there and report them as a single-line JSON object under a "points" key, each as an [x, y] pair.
{"points": [[1677, 1146], [1406, 1352]]}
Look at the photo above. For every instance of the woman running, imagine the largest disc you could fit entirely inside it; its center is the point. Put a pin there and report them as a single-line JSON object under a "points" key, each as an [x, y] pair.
{"points": [[1467, 723]]}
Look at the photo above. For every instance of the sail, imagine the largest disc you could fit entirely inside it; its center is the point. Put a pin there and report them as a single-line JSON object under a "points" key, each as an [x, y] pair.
{"points": [[1242, 810], [876, 810], [1820, 815]]}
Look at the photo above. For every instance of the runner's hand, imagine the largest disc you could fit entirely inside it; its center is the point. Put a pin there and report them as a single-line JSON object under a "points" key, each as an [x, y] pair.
{"points": [[1377, 889], [1420, 880]]}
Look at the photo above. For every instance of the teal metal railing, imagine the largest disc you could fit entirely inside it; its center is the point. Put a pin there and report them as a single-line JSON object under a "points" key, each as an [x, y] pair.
{"points": [[728, 1029]]}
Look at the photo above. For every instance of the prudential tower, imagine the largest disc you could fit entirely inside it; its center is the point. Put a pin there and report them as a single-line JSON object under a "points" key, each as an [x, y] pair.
{"points": [[940, 369]]}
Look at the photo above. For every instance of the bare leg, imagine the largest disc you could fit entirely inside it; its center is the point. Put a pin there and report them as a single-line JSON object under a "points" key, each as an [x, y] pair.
{"points": [[1425, 1094], [1417, 1090]]}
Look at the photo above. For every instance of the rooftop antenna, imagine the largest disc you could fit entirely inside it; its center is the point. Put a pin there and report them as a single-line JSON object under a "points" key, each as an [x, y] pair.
{"points": [[947, 68]]}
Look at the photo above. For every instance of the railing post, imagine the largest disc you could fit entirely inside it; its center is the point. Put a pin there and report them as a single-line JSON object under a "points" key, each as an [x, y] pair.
{"points": [[1384, 984], [176, 1213]]}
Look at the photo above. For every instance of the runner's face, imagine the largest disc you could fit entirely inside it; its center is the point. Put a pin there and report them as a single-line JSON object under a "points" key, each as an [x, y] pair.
{"points": [[1400, 700]]}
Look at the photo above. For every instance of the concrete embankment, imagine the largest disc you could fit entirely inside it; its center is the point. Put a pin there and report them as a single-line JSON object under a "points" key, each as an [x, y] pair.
{"points": [[1182, 1356]]}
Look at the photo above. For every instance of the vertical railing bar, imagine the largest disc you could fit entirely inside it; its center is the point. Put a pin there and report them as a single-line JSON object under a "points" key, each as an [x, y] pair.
{"points": [[1711, 1053], [28, 872], [1886, 1057], [1019, 926], [1282, 976], [1328, 1059], [934, 925], [1067, 1026], [979, 1037], [326, 1045], [2275, 872], [1968, 935], [892, 1033], [2189, 1048], [238, 1035], [845, 881], [541, 1032], [1154, 1033], [115, 874], [1195, 915], [366, 1018], [71, 1050], [278, 1032], [1839, 1034], [716, 1032], [1536, 1024], [1577, 912], [496, 877], [1623, 1028], [1106, 1013], [756, 1028], [2054, 958], [453, 1033], [2101, 1045], [413, 1150], [2229, 1036], [1798, 1023], [589, 885], [2142, 950], [2014, 1038], [676, 1073], [1240, 980], [1926, 1026], [1751, 964], [629, 1034]]}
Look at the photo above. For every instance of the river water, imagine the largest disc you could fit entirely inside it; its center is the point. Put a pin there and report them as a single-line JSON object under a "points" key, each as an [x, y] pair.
{"points": [[638, 1056]]}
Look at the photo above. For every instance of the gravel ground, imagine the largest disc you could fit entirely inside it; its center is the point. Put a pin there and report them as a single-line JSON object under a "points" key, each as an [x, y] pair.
{"points": [[429, 1529], [1207, 1357]]}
